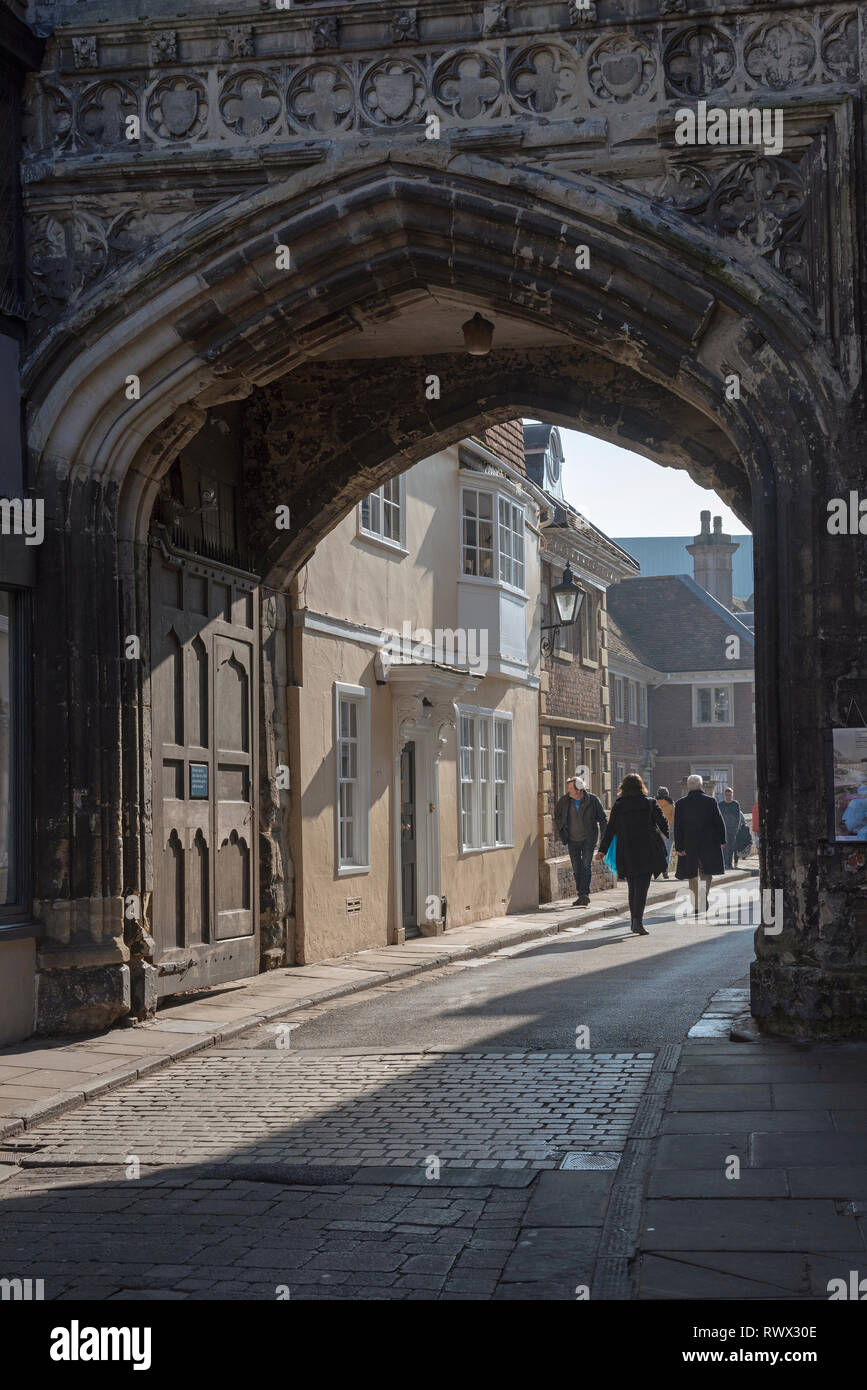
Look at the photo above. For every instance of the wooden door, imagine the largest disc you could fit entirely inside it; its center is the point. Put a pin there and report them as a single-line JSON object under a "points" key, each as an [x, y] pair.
{"points": [[204, 646]]}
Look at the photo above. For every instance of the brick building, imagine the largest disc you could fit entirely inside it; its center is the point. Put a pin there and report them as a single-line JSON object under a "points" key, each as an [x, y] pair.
{"points": [[682, 672], [575, 709]]}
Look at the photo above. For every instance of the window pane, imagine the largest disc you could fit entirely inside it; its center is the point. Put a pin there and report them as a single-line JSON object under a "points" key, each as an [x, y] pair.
{"points": [[486, 505], [467, 764], [505, 552], [484, 780], [350, 840], [502, 777], [704, 705], [8, 886]]}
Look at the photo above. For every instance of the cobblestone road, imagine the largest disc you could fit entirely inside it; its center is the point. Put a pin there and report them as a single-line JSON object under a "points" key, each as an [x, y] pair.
{"points": [[264, 1173], [182, 1235], [256, 1171], [481, 1110]]}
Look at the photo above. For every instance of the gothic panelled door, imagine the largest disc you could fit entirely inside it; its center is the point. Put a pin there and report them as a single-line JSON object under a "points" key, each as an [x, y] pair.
{"points": [[204, 645]]}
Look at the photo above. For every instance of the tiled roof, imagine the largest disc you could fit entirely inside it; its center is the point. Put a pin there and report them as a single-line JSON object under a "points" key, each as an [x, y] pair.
{"points": [[507, 442], [670, 623], [620, 647]]}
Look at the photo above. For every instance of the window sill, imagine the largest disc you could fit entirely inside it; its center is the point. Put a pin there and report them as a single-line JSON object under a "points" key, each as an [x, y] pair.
{"points": [[467, 850], [484, 582], [379, 543], [352, 870], [591, 665]]}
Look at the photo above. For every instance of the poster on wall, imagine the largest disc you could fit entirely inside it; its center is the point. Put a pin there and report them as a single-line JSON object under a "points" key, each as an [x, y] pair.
{"points": [[850, 785]]}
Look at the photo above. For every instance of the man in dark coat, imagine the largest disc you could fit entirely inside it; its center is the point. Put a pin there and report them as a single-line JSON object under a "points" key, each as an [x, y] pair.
{"points": [[730, 810], [699, 839], [578, 819]]}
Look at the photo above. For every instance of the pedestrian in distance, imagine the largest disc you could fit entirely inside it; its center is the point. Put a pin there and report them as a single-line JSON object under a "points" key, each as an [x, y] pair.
{"points": [[641, 828], [732, 817], [699, 841], [666, 805], [578, 818]]}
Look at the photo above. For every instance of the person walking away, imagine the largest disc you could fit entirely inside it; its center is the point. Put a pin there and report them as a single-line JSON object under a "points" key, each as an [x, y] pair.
{"points": [[578, 819], [641, 828], [666, 805], [731, 814], [699, 841]]}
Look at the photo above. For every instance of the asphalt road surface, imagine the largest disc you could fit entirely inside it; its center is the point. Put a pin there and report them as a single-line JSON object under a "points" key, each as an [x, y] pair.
{"points": [[629, 991]]}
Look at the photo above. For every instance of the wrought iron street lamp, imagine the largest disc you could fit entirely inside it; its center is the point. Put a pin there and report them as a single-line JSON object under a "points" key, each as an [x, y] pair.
{"points": [[568, 599]]}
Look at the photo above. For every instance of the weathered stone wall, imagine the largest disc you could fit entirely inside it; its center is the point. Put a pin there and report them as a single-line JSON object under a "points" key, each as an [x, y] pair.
{"points": [[156, 256]]}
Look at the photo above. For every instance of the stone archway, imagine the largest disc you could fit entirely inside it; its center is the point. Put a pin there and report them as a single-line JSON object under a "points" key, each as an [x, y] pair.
{"points": [[638, 349]]}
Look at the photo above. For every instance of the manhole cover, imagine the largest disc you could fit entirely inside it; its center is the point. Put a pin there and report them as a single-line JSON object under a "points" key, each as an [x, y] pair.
{"points": [[590, 1160]]}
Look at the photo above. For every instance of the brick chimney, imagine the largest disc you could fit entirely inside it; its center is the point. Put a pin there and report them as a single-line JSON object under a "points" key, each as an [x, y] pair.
{"points": [[712, 559]]}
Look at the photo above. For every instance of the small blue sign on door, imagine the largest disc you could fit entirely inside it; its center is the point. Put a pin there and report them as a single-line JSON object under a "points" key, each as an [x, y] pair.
{"points": [[198, 781]]}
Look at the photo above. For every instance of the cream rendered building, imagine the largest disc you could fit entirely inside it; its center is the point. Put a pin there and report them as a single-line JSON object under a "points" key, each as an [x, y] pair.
{"points": [[415, 660]]}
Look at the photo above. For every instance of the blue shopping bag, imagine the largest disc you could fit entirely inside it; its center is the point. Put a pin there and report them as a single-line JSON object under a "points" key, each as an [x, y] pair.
{"points": [[611, 856]]}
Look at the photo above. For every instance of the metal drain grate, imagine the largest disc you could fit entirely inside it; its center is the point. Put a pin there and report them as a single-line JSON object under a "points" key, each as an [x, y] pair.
{"points": [[586, 1160]]}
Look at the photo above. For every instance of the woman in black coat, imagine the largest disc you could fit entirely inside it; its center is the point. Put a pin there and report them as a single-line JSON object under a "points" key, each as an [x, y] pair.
{"points": [[699, 838], [641, 828]]}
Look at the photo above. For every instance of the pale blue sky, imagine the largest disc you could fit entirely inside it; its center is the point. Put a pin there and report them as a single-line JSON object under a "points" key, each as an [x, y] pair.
{"points": [[627, 495]]}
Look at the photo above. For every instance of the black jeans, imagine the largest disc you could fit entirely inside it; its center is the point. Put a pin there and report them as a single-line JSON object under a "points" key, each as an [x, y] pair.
{"points": [[638, 897], [581, 854]]}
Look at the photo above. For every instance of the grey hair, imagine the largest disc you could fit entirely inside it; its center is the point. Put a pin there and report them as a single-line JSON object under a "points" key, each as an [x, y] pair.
{"points": [[694, 783]]}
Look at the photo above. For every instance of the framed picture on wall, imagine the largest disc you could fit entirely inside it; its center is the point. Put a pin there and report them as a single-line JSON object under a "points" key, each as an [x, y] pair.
{"points": [[850, 785]]}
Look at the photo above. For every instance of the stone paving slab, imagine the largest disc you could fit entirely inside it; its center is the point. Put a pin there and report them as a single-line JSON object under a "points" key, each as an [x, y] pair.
{"points": [[845, 1183], [750, 1121], [812, 1095], [561, 1259], [794, 1217], [709, 1182], [697, 1151], [570, 1199], [716, 1097], [745, 1276], [807, 1150], [740, 1224]]}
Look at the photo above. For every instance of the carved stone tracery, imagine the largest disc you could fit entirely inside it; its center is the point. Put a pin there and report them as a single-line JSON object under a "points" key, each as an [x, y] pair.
{"points": [[617, 74]]}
